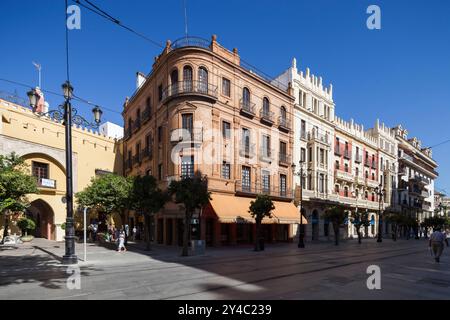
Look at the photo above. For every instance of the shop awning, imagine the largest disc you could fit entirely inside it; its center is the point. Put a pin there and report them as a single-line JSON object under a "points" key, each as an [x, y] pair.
{"points": [[233, 209]]}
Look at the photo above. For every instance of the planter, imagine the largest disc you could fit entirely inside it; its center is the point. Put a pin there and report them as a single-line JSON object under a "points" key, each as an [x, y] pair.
{"points": [[27, 238]]}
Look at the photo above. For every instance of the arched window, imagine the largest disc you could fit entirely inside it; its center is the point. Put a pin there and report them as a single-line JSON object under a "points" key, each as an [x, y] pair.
{"points": [[336, 189], [203, 80], [187, 78], [246, 97], [366, 195], [345, 191], [174, 81], [266, 107], [357, 172], [373, 196]]}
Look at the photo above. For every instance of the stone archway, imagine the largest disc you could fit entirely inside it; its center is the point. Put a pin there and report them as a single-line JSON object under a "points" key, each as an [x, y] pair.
{"points": [[42, 213]]}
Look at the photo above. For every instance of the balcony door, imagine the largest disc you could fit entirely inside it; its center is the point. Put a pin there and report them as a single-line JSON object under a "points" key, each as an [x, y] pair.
{"points": [[246, 178], [187, 124], [187, 79], [174, 81], [202, 80]]}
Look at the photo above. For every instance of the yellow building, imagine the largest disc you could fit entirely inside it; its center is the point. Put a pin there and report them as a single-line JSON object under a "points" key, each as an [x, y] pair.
{"points": [[40, 141]]}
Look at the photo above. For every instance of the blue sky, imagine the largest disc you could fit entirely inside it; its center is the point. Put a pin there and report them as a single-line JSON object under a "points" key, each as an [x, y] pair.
{"points": [[400, 74]]}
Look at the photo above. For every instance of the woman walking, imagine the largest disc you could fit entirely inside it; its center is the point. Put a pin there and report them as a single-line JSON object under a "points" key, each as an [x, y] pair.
{"points": [[121, 242]]}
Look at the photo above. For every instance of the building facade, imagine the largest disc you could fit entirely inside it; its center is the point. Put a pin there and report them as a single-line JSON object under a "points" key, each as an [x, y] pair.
{"points": [[40, 141], [416, 175], [201, 109]]}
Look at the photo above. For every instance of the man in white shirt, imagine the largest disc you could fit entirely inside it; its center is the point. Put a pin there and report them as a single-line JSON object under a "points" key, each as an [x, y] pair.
{"points": [[436, 242]]}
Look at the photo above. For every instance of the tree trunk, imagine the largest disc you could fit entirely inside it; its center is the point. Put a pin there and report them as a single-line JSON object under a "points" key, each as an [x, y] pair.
{"points": [[187, 223], [336, 234], [148, 232], [257, 236], [5, 230]]}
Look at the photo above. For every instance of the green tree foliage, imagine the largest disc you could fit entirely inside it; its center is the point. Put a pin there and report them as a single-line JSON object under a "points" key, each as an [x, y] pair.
{"points": [[336, 215], [15, 183], [436, 222], [191, 193], [147, 199], [397, 220], [360, 220], [259, 209], [26, 224], [107, 193]]}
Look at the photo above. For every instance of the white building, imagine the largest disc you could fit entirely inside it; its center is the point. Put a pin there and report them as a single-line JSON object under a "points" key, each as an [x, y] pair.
{"points": [[111, 130]]}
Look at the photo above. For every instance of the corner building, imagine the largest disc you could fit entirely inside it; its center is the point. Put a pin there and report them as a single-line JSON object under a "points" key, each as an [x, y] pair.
{"points": [[201, 109]]}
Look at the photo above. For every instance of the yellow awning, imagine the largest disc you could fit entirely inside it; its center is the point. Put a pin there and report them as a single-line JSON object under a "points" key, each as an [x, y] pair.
{"points": [[229, 209]]}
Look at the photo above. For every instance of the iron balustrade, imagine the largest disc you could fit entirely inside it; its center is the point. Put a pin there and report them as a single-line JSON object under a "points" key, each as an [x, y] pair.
{"points": [[247, 107], [189, 87], [266, 115], [261, 188]]}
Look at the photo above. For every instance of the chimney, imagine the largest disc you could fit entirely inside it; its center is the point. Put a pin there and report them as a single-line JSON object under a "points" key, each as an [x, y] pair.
{"points": [[140, 79]]}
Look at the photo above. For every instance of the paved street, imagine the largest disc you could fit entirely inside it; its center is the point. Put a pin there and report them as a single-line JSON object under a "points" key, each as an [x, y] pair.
{"points": [[320, 271]]}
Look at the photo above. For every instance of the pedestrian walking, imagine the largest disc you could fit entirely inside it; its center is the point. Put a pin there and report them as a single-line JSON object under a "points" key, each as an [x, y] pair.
{"points": [[134, 233], [121, 242], [436, 243]]}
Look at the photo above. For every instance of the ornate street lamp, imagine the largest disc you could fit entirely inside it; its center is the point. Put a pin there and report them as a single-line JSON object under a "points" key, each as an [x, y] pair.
{"points": [[69, 115], [301, 234], [380, 193]]}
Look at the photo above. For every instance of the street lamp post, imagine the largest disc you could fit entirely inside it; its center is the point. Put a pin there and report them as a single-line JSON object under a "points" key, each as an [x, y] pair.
{"points": [[380, 193], [301, 234], [68, 115]]}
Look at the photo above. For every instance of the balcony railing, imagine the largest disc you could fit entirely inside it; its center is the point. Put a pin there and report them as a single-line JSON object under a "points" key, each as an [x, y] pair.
{"points": [[367, 163], [261, 188], [137, 159], [303, 135], [347, 176], [147, 152], [347, 154], [247, 150], [284, 123], [337, 150], [46, 183], [266, 155], [247, 107], [313, 135], [266, 116], [188, 88], [419, 180], [136, 124], [146, 114], [371, 183], [360, 180], [284, 159], [374, 165], [194, 135], [358, 158]]}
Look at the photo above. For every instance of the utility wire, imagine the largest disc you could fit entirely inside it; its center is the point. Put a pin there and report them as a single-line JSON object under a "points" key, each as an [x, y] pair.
{"points": [[107, 16], [440, 144], [58, 94]]}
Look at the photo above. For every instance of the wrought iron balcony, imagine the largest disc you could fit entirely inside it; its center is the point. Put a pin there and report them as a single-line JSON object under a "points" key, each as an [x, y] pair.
{"points": [[137, 159], [314, 136], [284, 123], [371, 183], [374, 165], [146, 115], [358, 158], [247, 108], [367, 163], [284, 159], [192, 136], [360, 180], [342, 175], [347, 154], [266, 116], [192, 87], [247, 150], [147, 153], [337, 150], [266, 155], [46, 183], [261, 188], [136, 124], [127, 134]]}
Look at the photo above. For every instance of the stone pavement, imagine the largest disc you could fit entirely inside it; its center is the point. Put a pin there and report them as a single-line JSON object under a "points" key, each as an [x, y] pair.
{"points": [[282, 271]]}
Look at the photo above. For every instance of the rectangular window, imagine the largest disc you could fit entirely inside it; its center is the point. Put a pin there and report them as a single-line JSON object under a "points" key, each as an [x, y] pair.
{"points": [[300, 98], [266, 146], [246, 141], [138, 152], [321, 183], [322, 156], [160, 171], [226, 170], [303, 129], [187, 123], [187, 166], [129, 160], [283, 185], [160, 92], [226, 87], [160, 134], [40, 170], [283, 151], [310, 158], [246, 178], [302, 155], [265, 181], [226, 130]]}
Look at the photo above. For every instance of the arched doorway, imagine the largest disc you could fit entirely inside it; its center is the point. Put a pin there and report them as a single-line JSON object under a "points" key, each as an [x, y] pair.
{"points": [[315, 225], [41, 212]]}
